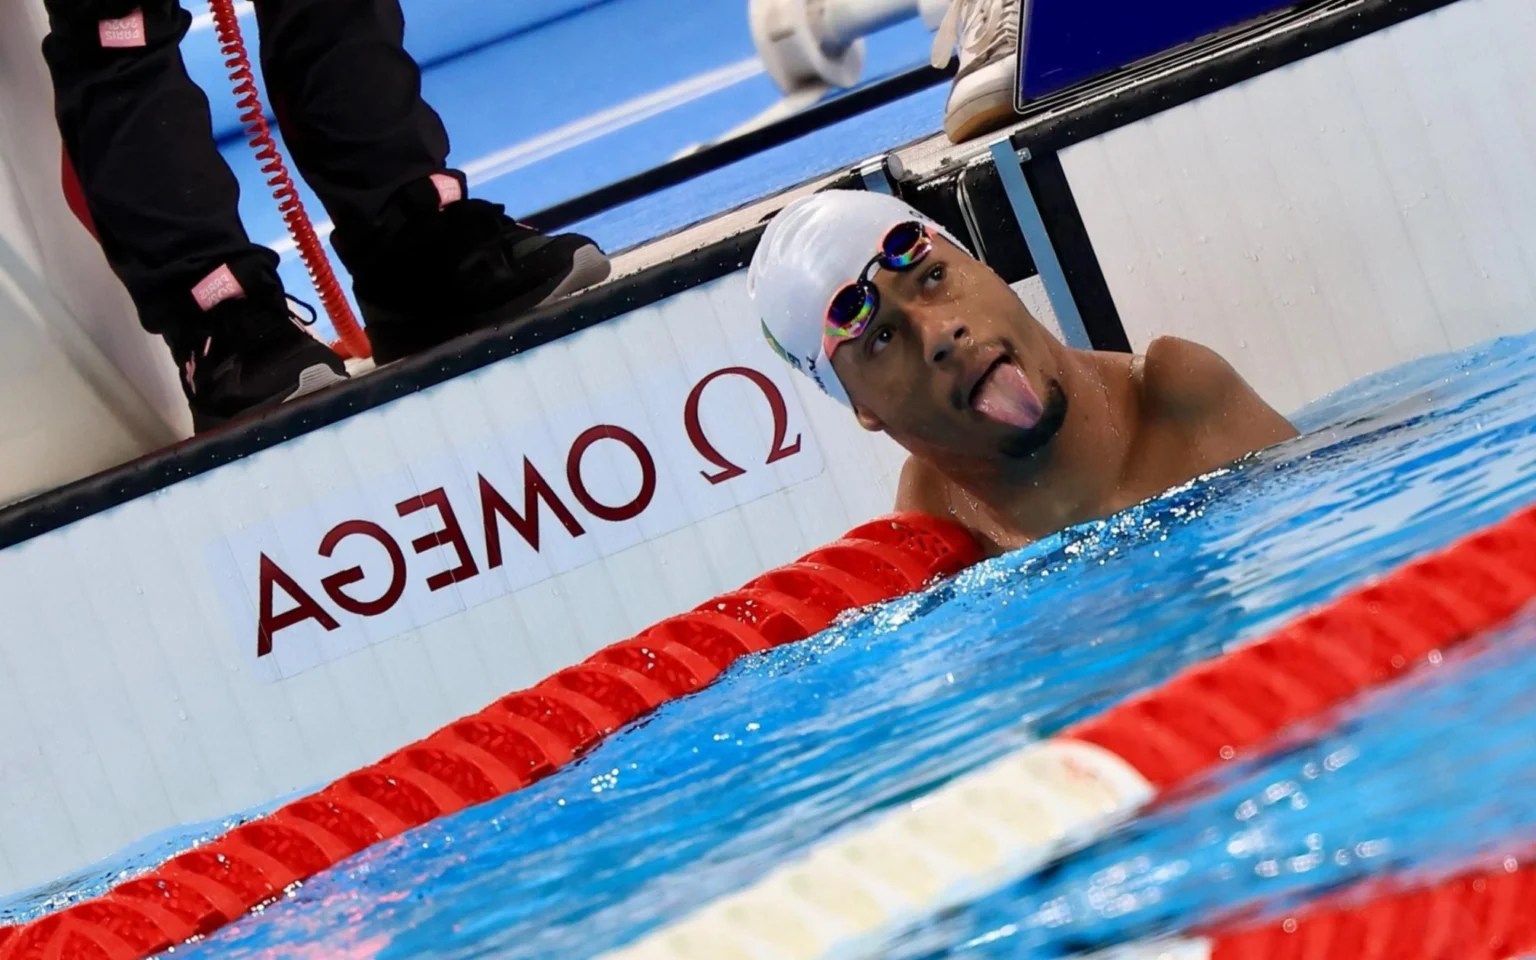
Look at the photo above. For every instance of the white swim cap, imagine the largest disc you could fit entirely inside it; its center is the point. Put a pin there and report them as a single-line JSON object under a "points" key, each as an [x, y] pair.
{"points": [[813, 248]]}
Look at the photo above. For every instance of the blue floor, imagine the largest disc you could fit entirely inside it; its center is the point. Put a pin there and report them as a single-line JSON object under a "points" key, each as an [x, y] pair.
{"points": [[530, 93]]}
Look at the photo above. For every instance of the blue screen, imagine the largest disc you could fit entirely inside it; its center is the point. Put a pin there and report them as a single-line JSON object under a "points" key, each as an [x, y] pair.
{"points": [[1071, 40]]}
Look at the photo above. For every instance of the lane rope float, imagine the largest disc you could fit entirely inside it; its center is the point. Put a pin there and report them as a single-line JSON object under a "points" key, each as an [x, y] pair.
{"points": [[1004, 821], [516, 741]]}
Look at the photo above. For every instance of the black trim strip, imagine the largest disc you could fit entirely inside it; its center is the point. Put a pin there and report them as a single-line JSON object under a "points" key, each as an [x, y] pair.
{"points": [[1074, 250], [727, 152], [936, 198], [1226, 60], [983, 202], [76, 501]]}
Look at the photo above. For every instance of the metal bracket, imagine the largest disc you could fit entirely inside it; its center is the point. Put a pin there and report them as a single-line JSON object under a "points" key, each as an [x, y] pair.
{"points": [[881, 174], [1010, 168], [968, 207]]}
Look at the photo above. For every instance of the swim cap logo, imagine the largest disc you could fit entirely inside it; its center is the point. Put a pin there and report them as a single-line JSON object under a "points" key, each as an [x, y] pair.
{"points": [[816, 376], [773, 342]]}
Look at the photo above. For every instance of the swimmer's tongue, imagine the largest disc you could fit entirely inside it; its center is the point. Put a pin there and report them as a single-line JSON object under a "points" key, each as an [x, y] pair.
{"points": [[1006, 396]]}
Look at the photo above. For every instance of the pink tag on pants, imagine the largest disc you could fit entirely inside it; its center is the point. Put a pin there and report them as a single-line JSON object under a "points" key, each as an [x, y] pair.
{"points": [[124, 32], [448, 189], [218, 286]]}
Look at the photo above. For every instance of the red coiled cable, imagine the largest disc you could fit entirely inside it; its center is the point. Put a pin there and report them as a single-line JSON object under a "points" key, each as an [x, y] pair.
{"points": [[353, 343]]}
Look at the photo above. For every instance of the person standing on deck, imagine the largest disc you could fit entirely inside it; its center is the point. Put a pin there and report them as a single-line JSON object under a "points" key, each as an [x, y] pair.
{"points": [[428, 262]]}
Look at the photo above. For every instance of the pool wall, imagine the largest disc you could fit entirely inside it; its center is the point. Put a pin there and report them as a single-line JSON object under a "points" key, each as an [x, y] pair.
{"points": [[298, 613], [1342, 214], [512, 743], [669, 455]]}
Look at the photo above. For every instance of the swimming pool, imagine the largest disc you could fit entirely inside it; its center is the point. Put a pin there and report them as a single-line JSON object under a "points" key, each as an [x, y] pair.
{"points": [[710, 792]]}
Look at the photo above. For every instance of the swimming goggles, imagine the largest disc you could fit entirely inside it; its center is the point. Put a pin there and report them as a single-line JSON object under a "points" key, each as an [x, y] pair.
{"points": [[854, 305]]}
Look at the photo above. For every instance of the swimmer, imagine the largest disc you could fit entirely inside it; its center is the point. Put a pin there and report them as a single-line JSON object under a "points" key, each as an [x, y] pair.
{"points": [[1011, 433]]}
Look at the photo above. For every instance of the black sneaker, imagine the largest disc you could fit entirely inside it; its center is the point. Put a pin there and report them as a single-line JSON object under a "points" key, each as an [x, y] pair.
{"points": [[247, 353], [449, 270]]}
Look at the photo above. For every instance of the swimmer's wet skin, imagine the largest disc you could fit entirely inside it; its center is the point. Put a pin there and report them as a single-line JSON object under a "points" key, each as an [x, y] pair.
{"points": [[1010, 432]]}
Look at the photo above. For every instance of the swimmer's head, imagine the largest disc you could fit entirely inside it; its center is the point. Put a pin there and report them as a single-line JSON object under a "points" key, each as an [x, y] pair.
{"points": [[891, 316]]}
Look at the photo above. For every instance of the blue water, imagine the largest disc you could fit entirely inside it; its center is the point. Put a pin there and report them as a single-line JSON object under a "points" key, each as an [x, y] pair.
{"points": [[710, 792], [1433, 775]]}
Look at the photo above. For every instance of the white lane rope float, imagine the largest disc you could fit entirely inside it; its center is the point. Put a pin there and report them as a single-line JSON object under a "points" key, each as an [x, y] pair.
{"points": [[974, 834]]}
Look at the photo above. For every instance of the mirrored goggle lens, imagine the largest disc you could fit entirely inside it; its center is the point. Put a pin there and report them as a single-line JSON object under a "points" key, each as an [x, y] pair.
{"points": [[850, 310], [904, 245]]}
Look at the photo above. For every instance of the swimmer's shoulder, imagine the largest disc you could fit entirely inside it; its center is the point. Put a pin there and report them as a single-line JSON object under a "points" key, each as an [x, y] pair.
{"points": [[1187, 381], [924, 489], [1181, 377]]}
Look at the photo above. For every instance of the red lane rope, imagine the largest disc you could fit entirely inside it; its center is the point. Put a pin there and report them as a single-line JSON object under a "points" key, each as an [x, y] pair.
{"points": [[226, 23], [514, 742], [1479, 915], [1203, 717], [1208, 713]]}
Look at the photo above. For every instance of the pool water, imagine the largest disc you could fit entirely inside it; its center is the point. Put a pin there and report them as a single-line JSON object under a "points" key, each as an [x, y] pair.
{"points": [[1418, 782], [710, 792]]}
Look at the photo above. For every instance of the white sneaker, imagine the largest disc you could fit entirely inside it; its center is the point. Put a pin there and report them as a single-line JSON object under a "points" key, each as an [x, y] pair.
{"points": [[987, 32]]}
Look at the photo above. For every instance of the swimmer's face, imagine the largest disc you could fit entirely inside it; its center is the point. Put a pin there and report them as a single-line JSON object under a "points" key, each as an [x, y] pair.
{"points": [[953, 364]]}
